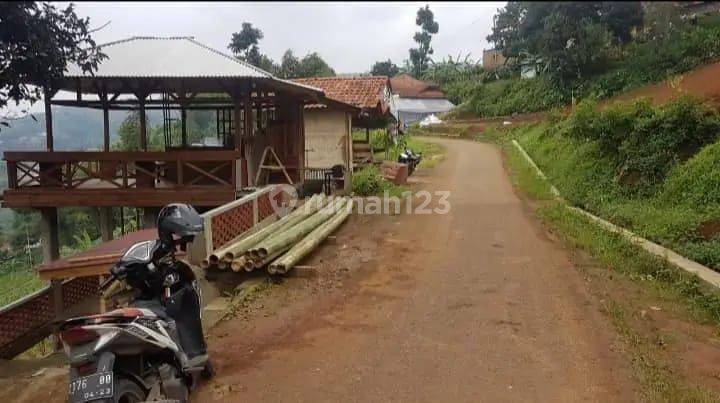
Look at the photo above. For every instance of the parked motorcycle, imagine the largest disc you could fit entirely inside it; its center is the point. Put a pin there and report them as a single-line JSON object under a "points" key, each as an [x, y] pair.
{"points": [[154, 349], [410, 158]]}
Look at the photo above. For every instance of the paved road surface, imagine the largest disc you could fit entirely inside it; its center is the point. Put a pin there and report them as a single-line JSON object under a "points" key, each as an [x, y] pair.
{"points": [[475, 305]]}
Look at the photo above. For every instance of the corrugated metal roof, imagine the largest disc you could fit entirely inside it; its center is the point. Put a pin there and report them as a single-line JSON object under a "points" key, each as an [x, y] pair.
{"points": [[142, 56], [419, 105]]}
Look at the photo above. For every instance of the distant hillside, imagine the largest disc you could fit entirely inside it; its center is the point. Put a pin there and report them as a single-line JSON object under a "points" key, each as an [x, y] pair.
{"points": [[73, 128]]}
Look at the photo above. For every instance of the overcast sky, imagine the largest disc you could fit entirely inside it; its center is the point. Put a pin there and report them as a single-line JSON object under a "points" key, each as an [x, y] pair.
{"points": [[349, 36]]}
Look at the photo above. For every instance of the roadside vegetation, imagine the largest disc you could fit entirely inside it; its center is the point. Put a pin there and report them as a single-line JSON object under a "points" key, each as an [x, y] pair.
{"points": [[369, 181], [625, 49], [652, 170], [651, 350]]}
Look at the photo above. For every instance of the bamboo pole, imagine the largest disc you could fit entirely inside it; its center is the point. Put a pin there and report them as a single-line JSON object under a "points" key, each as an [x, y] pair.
{"points": [[310, 242], [238, 248], [238, 264], [259, 252], [219, 254], [287, 238], [264, 262], [248, 266]]}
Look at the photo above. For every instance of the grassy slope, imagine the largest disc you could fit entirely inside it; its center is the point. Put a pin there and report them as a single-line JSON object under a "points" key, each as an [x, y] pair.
{"points": [[655, 280], [672, 216]]}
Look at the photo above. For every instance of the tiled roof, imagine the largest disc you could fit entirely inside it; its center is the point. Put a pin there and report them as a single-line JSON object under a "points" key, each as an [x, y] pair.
{"points": [[362, 92], [408, 87]]}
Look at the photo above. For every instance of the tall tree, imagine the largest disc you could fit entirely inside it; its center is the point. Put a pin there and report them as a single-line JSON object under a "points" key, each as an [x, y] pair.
{"points": [[385, 68], [244, 44], [570, 38], [37, 42], [312, 65], [290, 65], [420, 56]]}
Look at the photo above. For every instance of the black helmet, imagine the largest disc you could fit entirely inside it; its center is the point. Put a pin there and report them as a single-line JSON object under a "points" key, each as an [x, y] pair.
{"points": [[180, 220]]}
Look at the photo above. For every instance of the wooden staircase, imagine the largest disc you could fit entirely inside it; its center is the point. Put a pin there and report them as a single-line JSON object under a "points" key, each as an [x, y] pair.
{"points": [[362, 154]]}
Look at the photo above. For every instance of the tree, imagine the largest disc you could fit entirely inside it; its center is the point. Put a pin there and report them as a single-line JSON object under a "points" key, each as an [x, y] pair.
{"points": [[312, 65], [386, 68], [420, 56], [266, 63], [37, 42], [571, 39], [290, 65], [129, 132], [244, 44]]}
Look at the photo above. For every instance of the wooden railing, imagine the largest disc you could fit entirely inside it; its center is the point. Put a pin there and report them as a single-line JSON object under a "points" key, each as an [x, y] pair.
{"points": [[28, 320], [66, 178], [119, 170]]}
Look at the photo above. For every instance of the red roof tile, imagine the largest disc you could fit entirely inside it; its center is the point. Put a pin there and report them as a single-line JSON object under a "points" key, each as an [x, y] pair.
{"points": [[408, 87], [362, 92]]}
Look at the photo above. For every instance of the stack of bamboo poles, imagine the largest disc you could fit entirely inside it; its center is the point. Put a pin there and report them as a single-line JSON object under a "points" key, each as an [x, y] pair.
{"points": [[281, 245]]}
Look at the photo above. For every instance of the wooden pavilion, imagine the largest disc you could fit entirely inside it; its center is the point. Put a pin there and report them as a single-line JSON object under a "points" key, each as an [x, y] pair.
{"points": [[253, 110]]}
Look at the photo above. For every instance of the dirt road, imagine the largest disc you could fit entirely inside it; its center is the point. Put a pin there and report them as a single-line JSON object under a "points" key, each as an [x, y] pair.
{"points": [[474, 305]]}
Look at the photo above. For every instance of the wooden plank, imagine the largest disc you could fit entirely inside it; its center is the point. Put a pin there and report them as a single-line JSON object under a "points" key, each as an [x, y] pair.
{"points": [[70, 156], [49, 142], [131, 197], [77, 271]]}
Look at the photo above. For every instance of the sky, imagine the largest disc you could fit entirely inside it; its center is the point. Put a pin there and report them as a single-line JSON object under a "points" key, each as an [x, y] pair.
{"points": [[350, 36]]}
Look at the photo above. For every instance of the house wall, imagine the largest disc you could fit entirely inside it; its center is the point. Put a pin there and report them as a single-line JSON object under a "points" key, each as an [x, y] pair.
{"points": [[492, 59], [327, 135], [408, 118]]}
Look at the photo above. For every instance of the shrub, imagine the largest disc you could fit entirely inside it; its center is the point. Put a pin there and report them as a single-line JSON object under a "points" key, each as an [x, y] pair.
{"points": [[367, 181], [645, 142], [673, 133], [696, 182], [506, 97]]}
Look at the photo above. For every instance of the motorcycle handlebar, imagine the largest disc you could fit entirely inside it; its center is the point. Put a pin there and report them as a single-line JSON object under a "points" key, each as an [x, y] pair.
{"points": [[105, 284]]}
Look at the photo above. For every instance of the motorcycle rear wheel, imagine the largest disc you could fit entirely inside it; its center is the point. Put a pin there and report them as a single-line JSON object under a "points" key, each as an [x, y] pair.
{"points": [[127, 391]]}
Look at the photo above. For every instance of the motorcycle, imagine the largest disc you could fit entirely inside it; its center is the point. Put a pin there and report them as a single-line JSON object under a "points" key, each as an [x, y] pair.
{"points": [[410, 158], [154, 349]]}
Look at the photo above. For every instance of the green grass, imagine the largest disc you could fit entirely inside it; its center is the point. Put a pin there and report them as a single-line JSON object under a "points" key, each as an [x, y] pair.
{"points": [[17, 284], [681, 290], [670, 213], [432, 153], [368, 181], [17, 279]]}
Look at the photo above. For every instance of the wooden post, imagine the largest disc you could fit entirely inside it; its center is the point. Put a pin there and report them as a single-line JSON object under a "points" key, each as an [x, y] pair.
{"points": [[238, 134], [58, 309], [183, 125], [301, 143], [237, 137], [143, 124], [349, 155], [49, 143], [106, 122], [106, 223], [182, 100], [248, 133], [49, 234], [149, 217]]}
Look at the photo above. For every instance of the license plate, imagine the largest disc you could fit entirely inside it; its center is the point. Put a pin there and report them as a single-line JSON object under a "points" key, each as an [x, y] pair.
{"points": [[87, 388]]}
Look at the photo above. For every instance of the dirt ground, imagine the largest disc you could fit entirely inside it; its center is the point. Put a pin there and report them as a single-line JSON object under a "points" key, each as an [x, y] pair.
{"points": [[701, 82], [474, 305], [479, 304]]}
